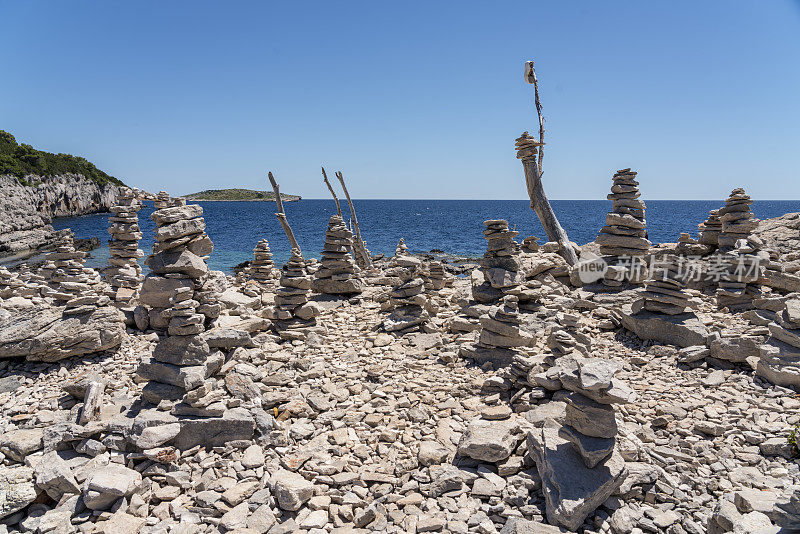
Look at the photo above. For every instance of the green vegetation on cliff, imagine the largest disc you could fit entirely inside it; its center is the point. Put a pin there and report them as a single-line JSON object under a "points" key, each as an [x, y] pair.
{"points": [[238, 194], [21, 160]]}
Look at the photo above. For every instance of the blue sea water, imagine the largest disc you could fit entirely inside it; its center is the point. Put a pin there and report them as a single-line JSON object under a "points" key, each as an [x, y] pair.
{"points": [[452, 226]]}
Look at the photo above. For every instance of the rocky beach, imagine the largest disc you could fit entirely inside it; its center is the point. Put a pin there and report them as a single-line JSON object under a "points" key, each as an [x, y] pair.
{"points": [[515, 394]]}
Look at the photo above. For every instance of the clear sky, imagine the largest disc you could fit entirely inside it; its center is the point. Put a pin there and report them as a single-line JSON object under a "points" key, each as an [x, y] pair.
{"points": [[412, 99]]}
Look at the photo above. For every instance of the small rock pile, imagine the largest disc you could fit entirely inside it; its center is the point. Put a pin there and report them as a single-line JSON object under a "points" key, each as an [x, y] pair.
{"points": [[710, 229], [664, 291], [407, 300], [625, 231], [435, 276], [291, 298], [20, 284], [500, 263], [575, 446], [177, 267], [737, 220], [401, 249], [338, 273], [780, 356], [500, 333], [262, 268], [69, 282], [124, 275]]}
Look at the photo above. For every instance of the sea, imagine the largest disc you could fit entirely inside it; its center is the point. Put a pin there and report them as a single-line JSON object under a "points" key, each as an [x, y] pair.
{"points": [[444, 227]]}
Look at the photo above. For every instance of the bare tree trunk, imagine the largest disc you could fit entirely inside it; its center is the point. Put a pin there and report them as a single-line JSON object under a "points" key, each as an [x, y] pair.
{"points": [[92, 402], [527, 149], [333, 193], [281, 215], [364, 259]]}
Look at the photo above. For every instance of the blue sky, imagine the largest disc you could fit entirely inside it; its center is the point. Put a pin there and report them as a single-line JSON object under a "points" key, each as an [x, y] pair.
{"points": [[412, 99]]}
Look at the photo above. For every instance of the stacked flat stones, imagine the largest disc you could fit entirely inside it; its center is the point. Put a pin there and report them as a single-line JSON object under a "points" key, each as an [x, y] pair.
{"points": [[291, 298], [710, 229], [262, 268], [737, 288], [435, 276], [124, 275], [780, 356], [665, 290], [406, 300], [500, 263], [338, 273], [500, 327], [177, 267], [182, 363], [625, 231], [737, 219], [20, 284], [582, 444], [401, 248], [71, 283]]}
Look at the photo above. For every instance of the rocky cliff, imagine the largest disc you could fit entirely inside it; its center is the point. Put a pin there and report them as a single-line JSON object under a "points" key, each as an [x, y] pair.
{"points": [[27, 210]]}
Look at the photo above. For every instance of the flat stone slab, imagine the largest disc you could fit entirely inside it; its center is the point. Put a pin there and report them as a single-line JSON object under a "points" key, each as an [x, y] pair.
{"points": [[683, 330], [45, 334]]}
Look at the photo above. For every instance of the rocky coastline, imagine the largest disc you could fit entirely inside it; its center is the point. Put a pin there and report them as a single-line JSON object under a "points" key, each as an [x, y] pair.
{"points": [[515, 394], [29, 209]]}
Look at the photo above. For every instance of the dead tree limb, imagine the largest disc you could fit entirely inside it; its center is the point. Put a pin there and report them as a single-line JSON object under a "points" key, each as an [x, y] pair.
{"points": [[92, 402], [281, 215], [528, 149], [333, 193], [364, 258]]}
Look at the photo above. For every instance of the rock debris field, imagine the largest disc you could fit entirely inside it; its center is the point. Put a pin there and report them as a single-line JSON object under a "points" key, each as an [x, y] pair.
{"points": [[509, 395]]}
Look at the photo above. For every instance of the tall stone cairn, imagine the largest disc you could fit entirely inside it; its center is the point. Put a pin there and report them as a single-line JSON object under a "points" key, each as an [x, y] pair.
{"points": [[338, 273], [124, 274], [577, 456], [664, 291], [69, 282], [401, 248], [291, 298], [182, 363], [262, 268], [737, 219], [738, 259], [625, 232], [500, 263]]}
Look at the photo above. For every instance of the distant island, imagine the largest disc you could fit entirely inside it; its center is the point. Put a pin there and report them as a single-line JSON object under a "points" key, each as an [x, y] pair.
{"points": [[239, 194]]}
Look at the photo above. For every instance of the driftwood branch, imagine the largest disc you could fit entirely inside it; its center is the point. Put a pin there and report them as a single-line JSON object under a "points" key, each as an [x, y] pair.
{"points": [[333, 193], [92, 402], [364, 258], [527, 151], [281, 215]]}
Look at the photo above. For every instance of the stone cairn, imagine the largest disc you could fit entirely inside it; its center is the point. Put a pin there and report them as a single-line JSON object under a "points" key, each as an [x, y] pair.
{"points": [[125, 274], [182, 363], [262, 268], [338, 273], [499, 335], [70, 283], [292, 297], [625, 232], [738, 261], [500, 264], [580, 442], [710, 229], [665, 289], [406, 300], [780, 357], [20, 284], [435, 276]]}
